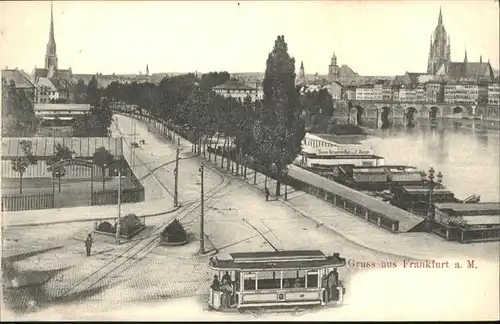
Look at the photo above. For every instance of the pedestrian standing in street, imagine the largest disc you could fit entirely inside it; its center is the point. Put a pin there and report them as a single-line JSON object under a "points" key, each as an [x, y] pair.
{"points": [[267, 193], [88, 244]]}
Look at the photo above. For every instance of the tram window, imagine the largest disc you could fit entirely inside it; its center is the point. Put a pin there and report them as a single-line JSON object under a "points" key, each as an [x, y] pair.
{"points": [[268, 280], [294, 279], [312, 279], [249, 281]]}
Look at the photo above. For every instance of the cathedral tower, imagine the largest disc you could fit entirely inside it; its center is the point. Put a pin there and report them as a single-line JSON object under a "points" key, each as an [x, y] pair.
{"points": [[439, 51], [333, 69], [51, 55]]}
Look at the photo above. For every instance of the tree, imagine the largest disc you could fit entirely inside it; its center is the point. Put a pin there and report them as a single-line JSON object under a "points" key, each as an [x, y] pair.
{"points": [[61, 153], [93, 96], [280, 129], [79, 91], [58, 172], [18, 110], [104, 160], [21, 163], [212, 79]]}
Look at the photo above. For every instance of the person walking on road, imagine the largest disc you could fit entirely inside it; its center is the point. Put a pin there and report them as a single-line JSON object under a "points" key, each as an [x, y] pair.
{"points": [[88, 244], [267, 193]]}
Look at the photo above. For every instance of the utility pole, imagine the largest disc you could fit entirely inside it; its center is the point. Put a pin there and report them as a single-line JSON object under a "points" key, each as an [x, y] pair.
{"points": [[176, 173], [118, 226], [202, 218]]}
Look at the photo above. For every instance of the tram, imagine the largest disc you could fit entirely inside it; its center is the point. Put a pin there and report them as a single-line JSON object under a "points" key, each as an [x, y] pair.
{"points": [[282, 278]]}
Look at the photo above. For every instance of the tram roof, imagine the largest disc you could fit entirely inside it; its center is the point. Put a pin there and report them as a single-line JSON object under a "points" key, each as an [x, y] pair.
{"points": [[278, 260]]}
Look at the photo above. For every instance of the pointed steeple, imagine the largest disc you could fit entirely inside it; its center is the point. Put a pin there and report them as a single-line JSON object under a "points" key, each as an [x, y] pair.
{"points": [[480, 59], [440, 19], [301, 65], [51, 54], [51, 32], [465, 57], [147, 69]]}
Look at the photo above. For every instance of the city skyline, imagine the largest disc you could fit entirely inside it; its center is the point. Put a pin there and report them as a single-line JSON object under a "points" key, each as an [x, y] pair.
{"points": [[313, 31]]}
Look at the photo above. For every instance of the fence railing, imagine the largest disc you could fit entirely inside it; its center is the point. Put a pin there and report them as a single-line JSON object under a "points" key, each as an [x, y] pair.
{"points": [[45, 200], [29, 201]]}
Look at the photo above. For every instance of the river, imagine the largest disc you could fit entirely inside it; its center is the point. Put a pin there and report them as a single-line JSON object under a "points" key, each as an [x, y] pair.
{"points": [[469, 162]]}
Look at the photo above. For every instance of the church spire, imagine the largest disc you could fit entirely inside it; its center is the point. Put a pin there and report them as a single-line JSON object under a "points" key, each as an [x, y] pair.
{"points": [[51, 55], [440, 19], [51, 33], [465, 57]]}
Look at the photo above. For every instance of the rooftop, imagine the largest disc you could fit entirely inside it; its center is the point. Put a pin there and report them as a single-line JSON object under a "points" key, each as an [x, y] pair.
{"points": [[20, 79], [341, 139], [232, 85], [44, 146], [470, 207], [305, 259], [61, 107], [45, 82]]}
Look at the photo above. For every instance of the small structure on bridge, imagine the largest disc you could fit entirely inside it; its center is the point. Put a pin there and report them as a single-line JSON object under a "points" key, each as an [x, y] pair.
{"points": [[467, 222]]}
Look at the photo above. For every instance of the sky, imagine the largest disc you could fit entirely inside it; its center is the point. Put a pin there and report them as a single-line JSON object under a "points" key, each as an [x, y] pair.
{"points": [[372, 37]]}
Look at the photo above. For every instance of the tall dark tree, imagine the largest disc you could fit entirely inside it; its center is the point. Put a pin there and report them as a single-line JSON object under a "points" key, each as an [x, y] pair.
{"points": [[93, 95], [79, 91], [281, 129]]}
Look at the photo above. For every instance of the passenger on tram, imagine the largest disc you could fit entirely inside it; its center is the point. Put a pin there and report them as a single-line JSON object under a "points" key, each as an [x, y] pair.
{"points": [[227, 277], [215, 284], [297, 283], [336, 276], [227, 291]]}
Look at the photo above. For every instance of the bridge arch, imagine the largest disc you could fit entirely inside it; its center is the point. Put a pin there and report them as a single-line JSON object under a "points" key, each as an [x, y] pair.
{"points": [[458, 110], [434, 112], [360, 113], [384, 117], [410, 114]]}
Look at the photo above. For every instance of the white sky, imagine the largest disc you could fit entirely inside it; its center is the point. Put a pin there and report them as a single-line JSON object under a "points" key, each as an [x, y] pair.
{"points": [[372, 37]]}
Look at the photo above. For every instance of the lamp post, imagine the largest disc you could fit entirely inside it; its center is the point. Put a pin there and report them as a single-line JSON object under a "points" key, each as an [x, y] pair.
{"points": [[118, 226], [176, 174], [285, 171], [202, 218], [434, 181]]}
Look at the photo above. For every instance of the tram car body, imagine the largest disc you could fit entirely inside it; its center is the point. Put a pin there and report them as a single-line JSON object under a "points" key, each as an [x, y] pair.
{"points": [[282, 278]]}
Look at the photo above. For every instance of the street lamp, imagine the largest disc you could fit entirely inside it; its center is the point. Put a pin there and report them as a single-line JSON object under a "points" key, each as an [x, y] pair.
{"points": [[202, 216], [118, 225], [434, 181]]}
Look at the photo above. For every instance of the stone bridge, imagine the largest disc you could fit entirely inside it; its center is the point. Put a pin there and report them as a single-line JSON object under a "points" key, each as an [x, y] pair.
{"points": [[403, 112]]}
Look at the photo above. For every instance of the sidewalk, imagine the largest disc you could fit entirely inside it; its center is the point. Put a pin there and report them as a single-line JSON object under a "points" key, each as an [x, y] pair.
{"points": [[149, 208]]}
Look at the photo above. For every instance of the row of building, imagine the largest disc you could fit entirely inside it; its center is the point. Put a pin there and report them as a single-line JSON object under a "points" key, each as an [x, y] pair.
{"points": [[438, 92]]}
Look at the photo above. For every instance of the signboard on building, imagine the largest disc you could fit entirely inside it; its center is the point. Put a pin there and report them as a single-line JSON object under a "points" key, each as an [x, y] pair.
{"points": [[343, 151]]}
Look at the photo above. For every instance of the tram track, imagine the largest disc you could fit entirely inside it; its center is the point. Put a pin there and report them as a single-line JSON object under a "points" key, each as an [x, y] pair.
{"points": [[143, 247]]}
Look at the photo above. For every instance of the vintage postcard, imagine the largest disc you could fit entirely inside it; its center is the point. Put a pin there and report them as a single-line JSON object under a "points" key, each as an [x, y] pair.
{"points": [[251, 160]]}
